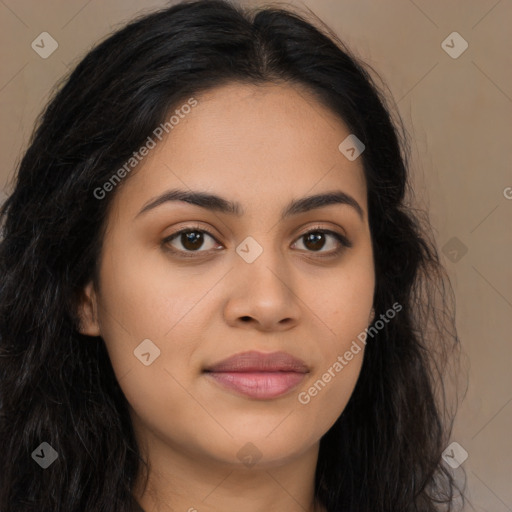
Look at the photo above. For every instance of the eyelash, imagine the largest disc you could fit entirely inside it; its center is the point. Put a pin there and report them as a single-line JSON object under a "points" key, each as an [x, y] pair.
{"points": [[344, 242]]}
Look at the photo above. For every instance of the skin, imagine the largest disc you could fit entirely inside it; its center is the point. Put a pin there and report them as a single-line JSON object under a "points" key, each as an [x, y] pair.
{"points": [[261, 146]]}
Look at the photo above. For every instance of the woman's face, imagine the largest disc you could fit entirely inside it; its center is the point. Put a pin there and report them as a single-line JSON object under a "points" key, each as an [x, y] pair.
{"points": [[171, 308]]}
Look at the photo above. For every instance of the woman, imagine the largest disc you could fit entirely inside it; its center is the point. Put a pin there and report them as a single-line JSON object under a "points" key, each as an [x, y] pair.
{"points": [[214, 296]]}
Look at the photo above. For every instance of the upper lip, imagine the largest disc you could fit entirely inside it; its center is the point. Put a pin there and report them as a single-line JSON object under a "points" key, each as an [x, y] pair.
{"points": [[254, 361]]}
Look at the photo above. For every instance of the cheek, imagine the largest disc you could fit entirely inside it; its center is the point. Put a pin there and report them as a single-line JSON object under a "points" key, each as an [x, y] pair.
{"points": [[341, 353], [142, 299], [146, 310], [141, 312], [344, 304], [343, 308], [329, 391]]}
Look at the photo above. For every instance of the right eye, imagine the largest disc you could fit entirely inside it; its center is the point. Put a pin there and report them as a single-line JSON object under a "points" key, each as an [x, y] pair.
{"points": [[191, 240]]}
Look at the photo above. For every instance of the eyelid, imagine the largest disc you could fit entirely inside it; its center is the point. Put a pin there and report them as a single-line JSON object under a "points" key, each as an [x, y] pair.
{"points": [[321, 229]]}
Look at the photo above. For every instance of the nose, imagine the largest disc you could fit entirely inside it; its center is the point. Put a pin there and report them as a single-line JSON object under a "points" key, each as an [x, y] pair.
{"points": [[262, 295]]}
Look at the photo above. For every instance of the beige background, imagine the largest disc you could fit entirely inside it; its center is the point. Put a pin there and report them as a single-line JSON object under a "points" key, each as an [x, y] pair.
{"points": [[458, 112]]}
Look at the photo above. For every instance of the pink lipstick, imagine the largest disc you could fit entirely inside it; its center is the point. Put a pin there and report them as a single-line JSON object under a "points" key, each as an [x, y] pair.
{"points": [[258, 375]]}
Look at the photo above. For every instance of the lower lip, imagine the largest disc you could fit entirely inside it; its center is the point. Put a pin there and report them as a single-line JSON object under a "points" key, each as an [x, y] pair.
{"points": [[259, 385]]}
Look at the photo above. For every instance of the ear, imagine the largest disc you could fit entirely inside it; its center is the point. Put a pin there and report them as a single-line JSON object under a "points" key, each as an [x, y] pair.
{"points": [[88, 312], [372, 316]]}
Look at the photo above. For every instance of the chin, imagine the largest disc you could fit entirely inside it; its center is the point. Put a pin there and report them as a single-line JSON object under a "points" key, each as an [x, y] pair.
{"points": [[256, 447]]}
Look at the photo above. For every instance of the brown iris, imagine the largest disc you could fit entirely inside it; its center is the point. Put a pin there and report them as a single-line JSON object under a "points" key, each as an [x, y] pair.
{"points": [[192, 240], [315, 240]]}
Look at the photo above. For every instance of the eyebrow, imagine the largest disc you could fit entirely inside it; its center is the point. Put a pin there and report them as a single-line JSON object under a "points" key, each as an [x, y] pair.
{"points": [[219, 204]]}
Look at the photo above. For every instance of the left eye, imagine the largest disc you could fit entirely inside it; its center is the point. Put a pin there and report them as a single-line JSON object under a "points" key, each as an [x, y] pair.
{"points": [[315, 240], [192, 239]]}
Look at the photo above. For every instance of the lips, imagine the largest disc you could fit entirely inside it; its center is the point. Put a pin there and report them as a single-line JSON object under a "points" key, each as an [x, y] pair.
{"points": [[259, 375], [259, 362]]}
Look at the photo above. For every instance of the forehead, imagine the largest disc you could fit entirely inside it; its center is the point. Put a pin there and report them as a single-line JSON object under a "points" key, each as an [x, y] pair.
{"points": [[260, 145]]}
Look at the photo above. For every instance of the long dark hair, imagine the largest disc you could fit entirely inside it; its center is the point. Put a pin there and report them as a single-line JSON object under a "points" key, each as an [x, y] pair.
{"points": [[58, 386]]}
